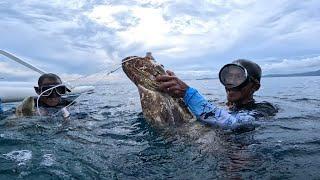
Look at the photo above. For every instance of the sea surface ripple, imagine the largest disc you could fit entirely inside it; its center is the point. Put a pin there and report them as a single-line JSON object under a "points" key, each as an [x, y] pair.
{"points": [[108, 138]]}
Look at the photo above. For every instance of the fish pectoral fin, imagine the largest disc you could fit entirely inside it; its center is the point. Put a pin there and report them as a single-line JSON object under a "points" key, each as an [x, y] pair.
{"points": [[26, 108], [24, 112]]}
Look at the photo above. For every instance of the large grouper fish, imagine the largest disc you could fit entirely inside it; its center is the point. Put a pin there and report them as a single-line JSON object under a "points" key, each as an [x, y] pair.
{"points": [[163, 111], [159, 108]]}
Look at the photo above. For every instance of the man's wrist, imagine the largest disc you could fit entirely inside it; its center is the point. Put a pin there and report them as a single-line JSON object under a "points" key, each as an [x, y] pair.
{"points": [[185, 91], [188, 94]]}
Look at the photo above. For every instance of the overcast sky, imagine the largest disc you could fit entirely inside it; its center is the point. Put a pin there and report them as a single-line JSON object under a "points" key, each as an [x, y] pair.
{"points": [[80, 37]]}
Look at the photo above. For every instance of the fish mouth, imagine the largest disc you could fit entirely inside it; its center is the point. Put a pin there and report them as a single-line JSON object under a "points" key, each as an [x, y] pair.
{"points": [[142, 71]]}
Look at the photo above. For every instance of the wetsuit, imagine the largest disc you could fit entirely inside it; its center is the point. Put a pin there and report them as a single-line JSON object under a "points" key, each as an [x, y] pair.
{"points": [[47, 110], [234, 118]]}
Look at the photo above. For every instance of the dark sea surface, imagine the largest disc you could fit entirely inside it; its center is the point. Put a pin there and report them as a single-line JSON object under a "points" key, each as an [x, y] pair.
{"points": [[108, 138]]}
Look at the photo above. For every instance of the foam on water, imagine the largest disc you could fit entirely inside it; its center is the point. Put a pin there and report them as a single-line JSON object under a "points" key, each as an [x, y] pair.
{"points": [[21, 156], [48, 160]]}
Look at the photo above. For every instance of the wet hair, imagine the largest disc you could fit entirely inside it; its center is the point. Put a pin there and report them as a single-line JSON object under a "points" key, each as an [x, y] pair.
{"points": [[252, 68], [49, 76]]}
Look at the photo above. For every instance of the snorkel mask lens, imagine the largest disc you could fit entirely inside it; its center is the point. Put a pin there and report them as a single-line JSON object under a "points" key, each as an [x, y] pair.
{"points": [[61, 90], [45, 90], [233, 76]]}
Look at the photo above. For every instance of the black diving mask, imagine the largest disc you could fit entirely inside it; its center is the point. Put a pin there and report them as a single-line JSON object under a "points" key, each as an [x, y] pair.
{"points": [[58, 89], [234, 77]]}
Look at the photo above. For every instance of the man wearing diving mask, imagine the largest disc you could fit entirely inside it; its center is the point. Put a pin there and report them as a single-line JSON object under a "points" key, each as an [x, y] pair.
{"points": [[241, 79], [50, 89]]}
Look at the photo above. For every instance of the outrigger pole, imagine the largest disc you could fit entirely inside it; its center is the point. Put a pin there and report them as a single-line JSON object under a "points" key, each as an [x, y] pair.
{"points": [[14, 58]]}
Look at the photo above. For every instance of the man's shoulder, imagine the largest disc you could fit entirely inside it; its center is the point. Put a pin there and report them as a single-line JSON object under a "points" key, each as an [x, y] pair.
{"points": [[265, 109]]}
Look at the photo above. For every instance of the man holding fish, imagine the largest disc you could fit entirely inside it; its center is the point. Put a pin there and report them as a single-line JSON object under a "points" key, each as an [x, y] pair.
{"points": [[241, 79]]}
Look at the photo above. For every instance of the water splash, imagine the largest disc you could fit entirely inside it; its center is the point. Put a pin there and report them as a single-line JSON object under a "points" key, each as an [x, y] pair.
{"points": [[48, 160]]}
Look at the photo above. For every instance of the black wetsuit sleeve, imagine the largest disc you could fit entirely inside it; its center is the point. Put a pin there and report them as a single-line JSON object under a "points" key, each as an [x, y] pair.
{"points": [[265, 110]]}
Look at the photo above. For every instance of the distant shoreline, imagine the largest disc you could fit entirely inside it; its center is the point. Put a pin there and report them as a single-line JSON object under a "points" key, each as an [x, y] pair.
{"points": [[280, 75], [313, 73]]}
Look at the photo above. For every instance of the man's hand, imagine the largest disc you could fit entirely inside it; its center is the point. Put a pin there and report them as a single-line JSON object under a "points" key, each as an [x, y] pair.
{"points": [[172, 85]]}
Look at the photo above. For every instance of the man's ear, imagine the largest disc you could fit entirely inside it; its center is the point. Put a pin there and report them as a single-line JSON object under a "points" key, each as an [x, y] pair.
{"points": [[256, 86], [37, 89]]}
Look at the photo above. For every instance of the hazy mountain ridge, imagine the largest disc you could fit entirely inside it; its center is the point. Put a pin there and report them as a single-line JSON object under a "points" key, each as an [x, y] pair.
{"points": [[311, 73]]}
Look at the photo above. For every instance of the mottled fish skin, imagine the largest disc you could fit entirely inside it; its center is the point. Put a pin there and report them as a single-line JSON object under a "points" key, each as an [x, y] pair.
{"points": [[159, 109], [26, 108]]}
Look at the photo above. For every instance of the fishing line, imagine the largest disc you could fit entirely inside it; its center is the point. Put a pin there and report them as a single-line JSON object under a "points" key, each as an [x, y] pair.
{"points": [[64, 109], [30, 66], [118, 66]]}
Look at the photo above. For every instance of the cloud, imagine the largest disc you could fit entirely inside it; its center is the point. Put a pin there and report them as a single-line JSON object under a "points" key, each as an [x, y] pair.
{"points": [[6, 69], [182, 29], [293, 65], [49, 39], [82, 37]]}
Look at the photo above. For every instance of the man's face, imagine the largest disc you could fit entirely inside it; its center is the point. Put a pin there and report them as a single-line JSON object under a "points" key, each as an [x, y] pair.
{"points": [[236, 96], [54, 98]]}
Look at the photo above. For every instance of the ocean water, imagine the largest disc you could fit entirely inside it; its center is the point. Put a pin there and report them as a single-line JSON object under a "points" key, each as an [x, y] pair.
{"points": [[108, 138]]}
